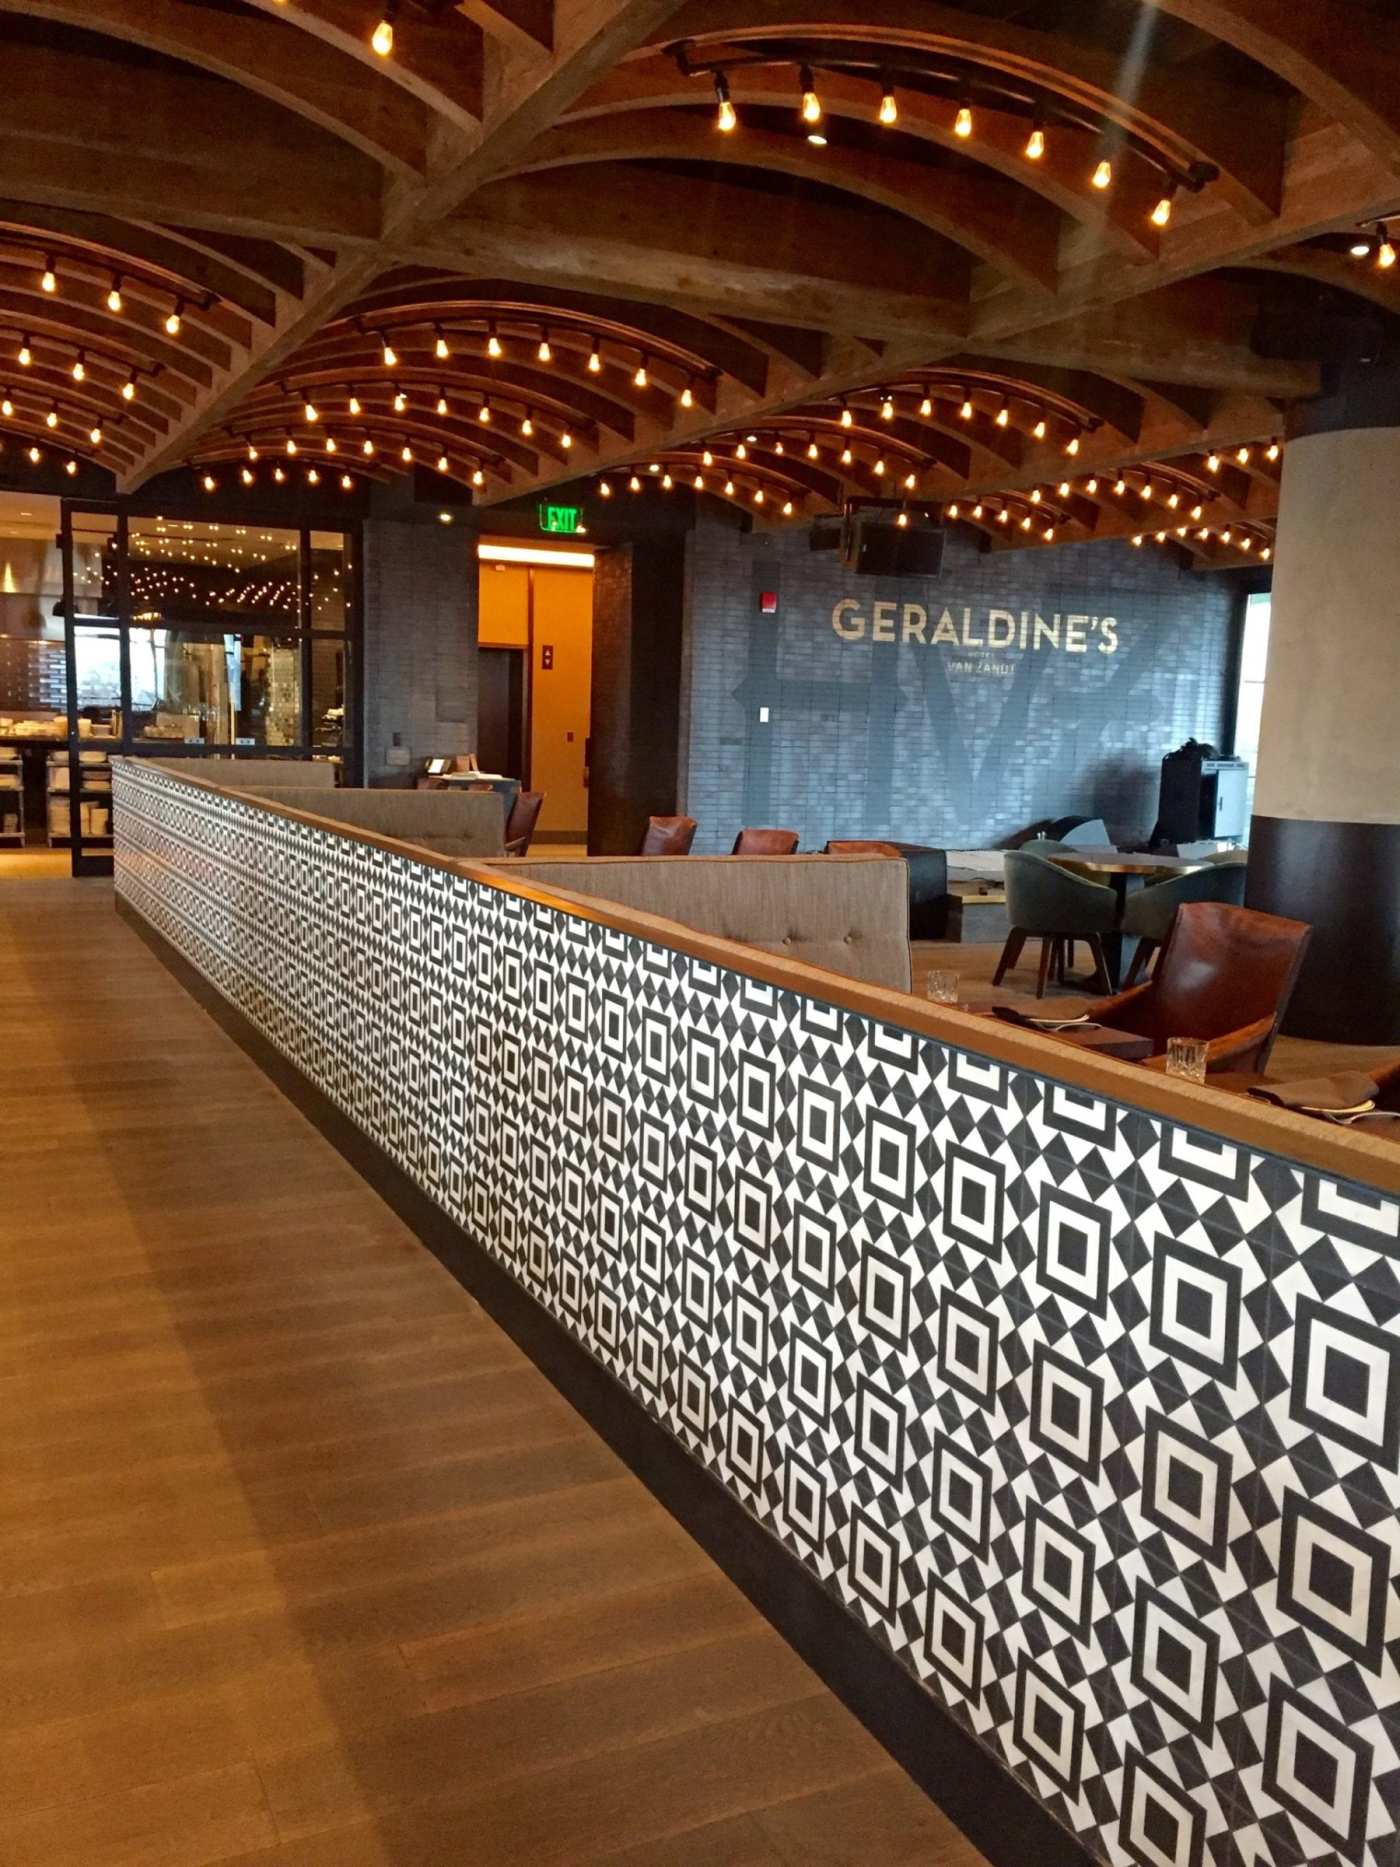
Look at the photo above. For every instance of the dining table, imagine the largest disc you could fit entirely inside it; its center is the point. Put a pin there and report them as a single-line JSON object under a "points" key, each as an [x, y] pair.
{"points": [[507, 789], [1122, 870]]}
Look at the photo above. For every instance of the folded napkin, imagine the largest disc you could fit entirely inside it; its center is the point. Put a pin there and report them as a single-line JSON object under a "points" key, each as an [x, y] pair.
{"points": [[1037, 1022], [1349, 1092]]}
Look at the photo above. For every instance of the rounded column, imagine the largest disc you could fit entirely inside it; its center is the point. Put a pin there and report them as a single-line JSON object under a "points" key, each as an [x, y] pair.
{"points": [[1325, 842]]}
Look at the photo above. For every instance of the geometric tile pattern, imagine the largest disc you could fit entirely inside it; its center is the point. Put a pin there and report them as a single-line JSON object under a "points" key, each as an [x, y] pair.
{"points": [[1093, 1420]]}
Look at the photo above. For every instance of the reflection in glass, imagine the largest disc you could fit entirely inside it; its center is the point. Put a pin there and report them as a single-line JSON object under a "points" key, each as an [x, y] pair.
{"points": [[187, 571], [329, 726], [201, 689], [33, 673], [330, 594]]}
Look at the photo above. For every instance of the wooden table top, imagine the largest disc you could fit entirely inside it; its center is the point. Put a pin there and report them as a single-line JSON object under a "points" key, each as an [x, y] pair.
{"points": [[1093, 860]]}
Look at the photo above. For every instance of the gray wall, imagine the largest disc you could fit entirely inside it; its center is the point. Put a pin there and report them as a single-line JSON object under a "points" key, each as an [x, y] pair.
{"points": [[937, 742], [420, 642]]}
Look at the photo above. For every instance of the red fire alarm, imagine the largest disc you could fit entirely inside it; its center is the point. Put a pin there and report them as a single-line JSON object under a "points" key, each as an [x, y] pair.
{"points": [[768, 603]]}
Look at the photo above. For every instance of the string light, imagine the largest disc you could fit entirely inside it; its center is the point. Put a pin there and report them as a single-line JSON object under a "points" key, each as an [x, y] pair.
{"points": [[406, 454], [291, 444], [543, 352], [279, 475], [354, 404], [926, 406], [483, 414], [1213, 463], [729, 488], [604, 490], [699, 482], [1162, 213], [175, 318], [1035, 496], [7, 407], [634, 485], [313, 477], [726, 118], [493, 342], [389, 355], [35, 455], [479, 479], [51, 419], [382, 38], [1271, 451], [247, 476], [1091, 487], [443, 465], [442, 350], [741, 452], [962, 123], [49, 281], [595, 358], [527, 426], [846, 456], [440, 406], [953, 510], [70, 467], [1072, 446], [1039, 429], [210, 483], [787, 508], [400, 402], [331, 444], [902, 520], [688, 396], [846, 416], [887, 409], [114, 296], [1102, 176], [640, 377], [1385, 254], [1035, 142], [889, 110], [666, 482], [79, 367], [1003, 416], [346, 483], [811, 103], [1242, 456], [95, 435], [367, 447], [967, 411], [252, 451], [311, 411], [813, 451], [24, 356], [707, 459]]}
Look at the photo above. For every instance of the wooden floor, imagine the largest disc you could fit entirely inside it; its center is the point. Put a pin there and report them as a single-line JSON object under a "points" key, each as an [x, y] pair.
{"points": [[301, 1563]]}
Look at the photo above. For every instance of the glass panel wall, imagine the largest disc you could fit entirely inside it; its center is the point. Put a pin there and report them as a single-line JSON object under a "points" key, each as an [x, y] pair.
{"points": [[194, 634]]}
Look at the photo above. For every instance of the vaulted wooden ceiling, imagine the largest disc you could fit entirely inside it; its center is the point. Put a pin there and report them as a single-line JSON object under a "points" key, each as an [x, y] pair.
{"points": [[1063, 264]]}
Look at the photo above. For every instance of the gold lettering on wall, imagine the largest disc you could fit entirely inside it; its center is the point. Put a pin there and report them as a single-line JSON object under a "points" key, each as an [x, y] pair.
{"points": [[892, 622]]}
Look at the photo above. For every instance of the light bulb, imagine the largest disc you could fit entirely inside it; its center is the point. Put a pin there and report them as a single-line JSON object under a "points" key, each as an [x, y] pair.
{"points": [[667, 482], [787, 508], [95, 436], [247, 476], [953, 510], [7, 408], [1242, 456], [729, 488], [313, 477], [1091, 487], [978, 510], [634, 485], [543, 352], [493, 343], [1102, 176], [1072, 445], [1271, 451], [604, 490], [390, 356], [1004, 516], [1385, 255], [35, 455], [966, 411], [726, 118], [1003, 416], [962, 123], [49, 281], [24, 355], [79, 368], [640, 378], [406, 454], [846, 417], [846, 456], [1360, 247], [741, 452], [813, 451], [1213, 463], [354, 405], [687, 397], [311, 412], [173, 321], [367, 447], [440, 406], [887, 410], [1039, 429], [1120, 486], [478, 477], [889, 109], [707, 458], [1035, 496], [441, 349], [483, 414], [51, 419], [1162, 213], [811, 103], [443, 463], [400, 402], [902, 520], [527, 427], [209, 482], [382, 38], [910, 482], [346, 482], [330, 444], [252, 451], [878, 468], [291, 445], [1063, 489], [595, 358], [114, 297], [926, 406], [1035, 144], [278, 475], [1026, 523]]}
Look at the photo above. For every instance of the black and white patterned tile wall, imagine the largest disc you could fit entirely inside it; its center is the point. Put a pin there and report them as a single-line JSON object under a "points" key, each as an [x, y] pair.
{"points": [[1092, 1419]]}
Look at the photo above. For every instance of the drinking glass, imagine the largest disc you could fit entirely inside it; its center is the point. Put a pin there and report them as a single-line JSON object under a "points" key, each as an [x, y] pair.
{"points": [[942, 987], [1186, 1056]]}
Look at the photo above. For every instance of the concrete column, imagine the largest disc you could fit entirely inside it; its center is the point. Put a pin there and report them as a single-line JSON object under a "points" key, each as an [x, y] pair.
{"points": [[420, 673], [1325, 844]]}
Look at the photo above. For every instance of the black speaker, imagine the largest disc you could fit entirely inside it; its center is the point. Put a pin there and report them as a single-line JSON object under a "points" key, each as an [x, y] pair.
{"points": [[879, 547]]}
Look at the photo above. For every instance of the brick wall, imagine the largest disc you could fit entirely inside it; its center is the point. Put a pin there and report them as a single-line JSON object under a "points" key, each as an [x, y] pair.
{"points": [[931, 741], [420, 584]]}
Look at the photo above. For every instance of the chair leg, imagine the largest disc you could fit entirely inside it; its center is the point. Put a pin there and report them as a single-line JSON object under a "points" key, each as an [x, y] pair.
{"points": [[1047, 948], [1102, 981], [1010, 953], [1140, 961], [1066, 947]]}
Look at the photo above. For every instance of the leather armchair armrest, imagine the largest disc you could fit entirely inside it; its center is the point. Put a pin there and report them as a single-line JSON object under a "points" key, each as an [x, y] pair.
{"points": [[1103, 1010], [1222, 1052]]}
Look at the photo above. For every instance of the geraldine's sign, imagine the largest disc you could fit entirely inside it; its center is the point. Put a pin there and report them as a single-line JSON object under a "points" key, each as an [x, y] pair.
{"points": [[886, 621]]}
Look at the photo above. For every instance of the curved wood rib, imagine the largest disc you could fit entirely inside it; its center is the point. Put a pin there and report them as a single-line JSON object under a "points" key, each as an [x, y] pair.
{"points": [[1008, 229]]}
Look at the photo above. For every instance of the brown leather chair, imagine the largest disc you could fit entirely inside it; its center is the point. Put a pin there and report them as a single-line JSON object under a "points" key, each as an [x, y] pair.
{"points": [[1226, 974], [520, 825], [668, 836], [765, 843], [432, 781], [858, 848]]}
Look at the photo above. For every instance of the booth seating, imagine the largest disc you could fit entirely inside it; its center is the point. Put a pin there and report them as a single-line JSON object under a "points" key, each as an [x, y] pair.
{"points": [[449, 823], [930, 904], [850, 917], [1226, 974], [263, 775]]}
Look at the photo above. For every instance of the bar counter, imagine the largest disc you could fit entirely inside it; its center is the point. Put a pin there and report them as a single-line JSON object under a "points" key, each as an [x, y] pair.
{"points": [[1076, 1386]]}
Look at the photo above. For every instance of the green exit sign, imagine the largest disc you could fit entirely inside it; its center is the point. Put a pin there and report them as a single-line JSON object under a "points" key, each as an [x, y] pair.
{"points": [[567, 519]]}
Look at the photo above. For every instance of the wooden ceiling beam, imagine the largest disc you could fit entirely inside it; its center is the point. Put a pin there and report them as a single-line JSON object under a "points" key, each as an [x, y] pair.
{"points": [[1001, 224], [523, 25]]}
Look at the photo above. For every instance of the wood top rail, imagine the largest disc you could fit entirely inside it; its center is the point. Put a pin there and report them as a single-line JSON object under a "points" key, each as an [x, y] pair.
{"points": [[1233, 1117]]}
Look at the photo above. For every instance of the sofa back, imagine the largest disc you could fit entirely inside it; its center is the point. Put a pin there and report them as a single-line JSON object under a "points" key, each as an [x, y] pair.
{"points": [[450, 823], [847, 914], [261, 774]]}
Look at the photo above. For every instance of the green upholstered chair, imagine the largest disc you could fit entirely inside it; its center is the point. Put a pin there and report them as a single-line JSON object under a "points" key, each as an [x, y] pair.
{"points": [[1047, 903], [1149, 913]]}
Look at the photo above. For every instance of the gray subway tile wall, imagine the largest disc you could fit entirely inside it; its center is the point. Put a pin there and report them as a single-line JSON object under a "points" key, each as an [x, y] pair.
{"points": [[930, 741]]}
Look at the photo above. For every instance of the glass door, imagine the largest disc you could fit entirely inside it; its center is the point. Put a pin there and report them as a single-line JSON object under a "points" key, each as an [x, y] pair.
{"points": [[78, 781]]}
